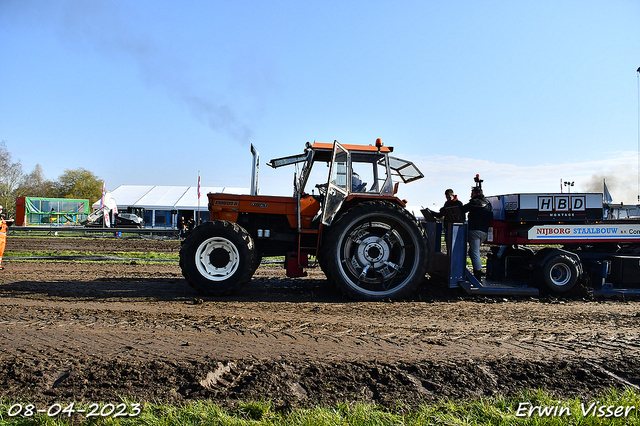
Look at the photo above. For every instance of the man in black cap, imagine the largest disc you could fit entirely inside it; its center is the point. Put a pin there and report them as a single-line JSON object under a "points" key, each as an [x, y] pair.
{"points": [[479, 209]]}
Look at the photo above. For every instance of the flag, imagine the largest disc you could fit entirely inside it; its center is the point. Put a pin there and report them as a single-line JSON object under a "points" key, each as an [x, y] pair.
{"points": [[107, 219], [607, 196], [198, 185], [104, 192]]}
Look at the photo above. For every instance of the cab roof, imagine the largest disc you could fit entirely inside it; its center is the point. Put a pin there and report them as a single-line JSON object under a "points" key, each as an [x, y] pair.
{"points": [[363, 148]]}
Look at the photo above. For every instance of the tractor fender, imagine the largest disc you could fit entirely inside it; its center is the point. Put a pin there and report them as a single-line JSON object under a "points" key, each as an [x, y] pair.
{"points": [[542, 256], [353, 199]]}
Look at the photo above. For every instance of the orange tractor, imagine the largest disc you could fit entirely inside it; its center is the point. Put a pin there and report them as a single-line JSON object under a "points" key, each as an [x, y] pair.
{"points": [[354, 227]]}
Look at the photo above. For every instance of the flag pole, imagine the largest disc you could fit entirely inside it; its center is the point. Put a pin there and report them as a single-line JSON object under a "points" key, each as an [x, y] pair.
{"points": [[198, 214], [638, 79], [104, 191]]}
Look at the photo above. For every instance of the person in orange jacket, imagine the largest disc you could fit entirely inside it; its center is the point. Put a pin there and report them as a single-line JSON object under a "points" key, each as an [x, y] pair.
{"points": [[4, 223]]}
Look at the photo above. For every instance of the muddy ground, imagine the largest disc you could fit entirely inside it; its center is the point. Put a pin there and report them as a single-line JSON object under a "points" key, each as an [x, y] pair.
{"points": [[97, 331]]}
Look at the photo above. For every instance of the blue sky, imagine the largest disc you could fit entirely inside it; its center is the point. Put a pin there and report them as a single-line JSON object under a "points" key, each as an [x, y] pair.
{"points": [[151, 92]]}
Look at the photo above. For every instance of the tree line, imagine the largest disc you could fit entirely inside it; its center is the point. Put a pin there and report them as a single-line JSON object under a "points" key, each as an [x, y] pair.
{"points": [[72, 183]]}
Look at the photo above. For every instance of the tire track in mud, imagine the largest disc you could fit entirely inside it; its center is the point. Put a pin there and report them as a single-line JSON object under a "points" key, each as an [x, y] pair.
{"points": [[196, 325]]}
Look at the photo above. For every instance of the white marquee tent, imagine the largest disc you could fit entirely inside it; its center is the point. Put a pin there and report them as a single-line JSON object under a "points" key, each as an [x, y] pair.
{"points": [[162, 202]]}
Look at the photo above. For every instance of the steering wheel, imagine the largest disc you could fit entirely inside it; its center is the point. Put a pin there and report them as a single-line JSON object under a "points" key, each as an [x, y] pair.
{"points": [[322, 188]]}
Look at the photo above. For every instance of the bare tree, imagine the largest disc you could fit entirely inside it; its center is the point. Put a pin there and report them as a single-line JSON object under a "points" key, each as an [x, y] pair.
{"points": [[10, 178], [35, 184]]}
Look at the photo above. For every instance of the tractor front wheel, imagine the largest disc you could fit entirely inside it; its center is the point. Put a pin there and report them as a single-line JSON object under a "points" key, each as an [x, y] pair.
{"points": [[218, 258], [375, 251]]}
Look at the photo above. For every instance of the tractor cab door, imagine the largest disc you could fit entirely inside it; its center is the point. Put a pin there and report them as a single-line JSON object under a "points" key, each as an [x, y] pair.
{"points": [[339, 182]]}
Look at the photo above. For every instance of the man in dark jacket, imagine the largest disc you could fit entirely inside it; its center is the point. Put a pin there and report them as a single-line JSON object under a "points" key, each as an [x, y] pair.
{"points": [[479, 209], [452, 201], [451, 212]]}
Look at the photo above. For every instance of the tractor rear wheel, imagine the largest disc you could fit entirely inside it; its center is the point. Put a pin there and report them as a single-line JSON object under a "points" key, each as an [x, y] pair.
{"points": [[218, 258], [375, 251]]}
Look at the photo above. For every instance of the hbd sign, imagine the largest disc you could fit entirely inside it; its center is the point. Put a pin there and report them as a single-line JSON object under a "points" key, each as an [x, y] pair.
{"points": [[561, 203], [547, 207]]}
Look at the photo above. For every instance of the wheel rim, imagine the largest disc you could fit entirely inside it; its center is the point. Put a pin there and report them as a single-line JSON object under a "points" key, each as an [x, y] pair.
{"points": [[217, 259], [560, 274], [377, 256]]}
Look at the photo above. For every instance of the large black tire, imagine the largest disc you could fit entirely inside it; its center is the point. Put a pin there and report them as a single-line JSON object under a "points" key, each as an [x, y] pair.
{"points": [[375, 251], [257, 259], [559, 273], [324, 267], [218, 258]]}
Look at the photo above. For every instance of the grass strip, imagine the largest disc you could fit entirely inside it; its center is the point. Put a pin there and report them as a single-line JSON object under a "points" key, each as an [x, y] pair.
{"points": [[529, 408], [129, 254]]}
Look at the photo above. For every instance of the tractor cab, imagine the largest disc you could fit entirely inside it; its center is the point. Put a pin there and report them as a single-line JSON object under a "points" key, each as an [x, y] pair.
{"points": [[342, 173]]}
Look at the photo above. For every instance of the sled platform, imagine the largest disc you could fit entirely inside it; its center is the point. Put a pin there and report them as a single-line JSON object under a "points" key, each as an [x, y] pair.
{"points": [[493, 288], [609, 291]]}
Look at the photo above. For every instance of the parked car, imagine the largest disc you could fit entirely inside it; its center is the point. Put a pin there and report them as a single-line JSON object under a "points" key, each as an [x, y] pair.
{"points": [[122, 220]]}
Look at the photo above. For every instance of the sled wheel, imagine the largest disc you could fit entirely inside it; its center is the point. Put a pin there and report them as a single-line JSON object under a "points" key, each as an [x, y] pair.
{"points": [[560, 273], [375, 251], [218, 258]]}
